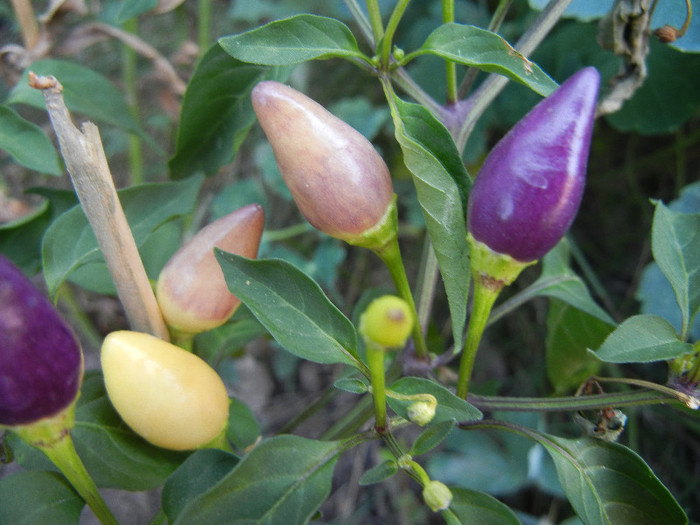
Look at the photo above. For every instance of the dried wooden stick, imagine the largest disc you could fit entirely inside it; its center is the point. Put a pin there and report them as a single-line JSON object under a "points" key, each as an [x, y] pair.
{"points": [[87, 165]]}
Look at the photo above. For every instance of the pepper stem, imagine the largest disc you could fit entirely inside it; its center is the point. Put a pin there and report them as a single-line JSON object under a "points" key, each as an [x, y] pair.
{"points": [[485, 294], [53, 437], [391, 255], [383, 240], [375, 361]]}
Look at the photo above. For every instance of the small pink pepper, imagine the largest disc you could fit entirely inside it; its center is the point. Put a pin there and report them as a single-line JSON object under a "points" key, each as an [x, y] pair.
{"points": [[191, 289], [338, 180]]}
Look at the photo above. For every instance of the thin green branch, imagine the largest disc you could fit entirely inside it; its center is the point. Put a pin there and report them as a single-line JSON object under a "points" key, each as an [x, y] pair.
{"points": [[570, 403], [481, 99], [390, 31], [375, 19], [448, 15], [362, 21]]}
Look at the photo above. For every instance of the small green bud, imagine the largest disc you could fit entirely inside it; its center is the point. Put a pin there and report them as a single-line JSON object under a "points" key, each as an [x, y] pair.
{"points": [[421, 412], [437, 496], [399, 54], [387, 322]]}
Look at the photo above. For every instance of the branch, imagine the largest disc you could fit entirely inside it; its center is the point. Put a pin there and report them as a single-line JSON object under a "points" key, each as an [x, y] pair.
{"points": [[87, 165]]}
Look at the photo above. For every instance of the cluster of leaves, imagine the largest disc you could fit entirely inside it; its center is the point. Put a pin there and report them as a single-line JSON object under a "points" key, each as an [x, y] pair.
{"points": [[287, 478]]}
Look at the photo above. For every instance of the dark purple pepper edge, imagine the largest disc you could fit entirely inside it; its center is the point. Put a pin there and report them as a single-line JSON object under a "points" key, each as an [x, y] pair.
{"points": [[41, 363]]}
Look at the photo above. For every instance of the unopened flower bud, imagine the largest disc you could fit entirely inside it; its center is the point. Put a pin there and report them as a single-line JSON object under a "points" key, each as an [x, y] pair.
{"points": [[338, 180], [191, 289], [437, 496], [41, 364], [387, 321], [421, 412]]}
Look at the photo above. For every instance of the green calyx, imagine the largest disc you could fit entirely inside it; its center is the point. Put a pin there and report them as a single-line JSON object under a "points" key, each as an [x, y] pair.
{"points": [[494, 270], [48, 432], [381, 235]]}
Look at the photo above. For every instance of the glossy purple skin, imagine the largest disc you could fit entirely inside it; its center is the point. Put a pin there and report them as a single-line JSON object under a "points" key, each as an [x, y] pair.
{"points": [[530, 186], [41, 362]]}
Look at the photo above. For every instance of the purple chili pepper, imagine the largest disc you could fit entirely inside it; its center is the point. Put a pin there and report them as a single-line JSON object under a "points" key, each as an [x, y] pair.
{"points": [[530, 186], [41, 364]]}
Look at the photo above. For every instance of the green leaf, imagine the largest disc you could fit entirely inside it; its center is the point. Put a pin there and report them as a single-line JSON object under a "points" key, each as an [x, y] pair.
{"points": [[450, 407], [642, 339], [675, 243], [27, 143], [282, 480], [216, 112], [608, 484], [20, 240], [570, 333], [197, 474], [471, 506], [226, 340], [293, 308], [379, 473], [38, 498], [473, 46], [70, 243], [442, 185], [84, 91], [293, 40], [559, 281], [431, 437], [353, 385], [243, 429]]}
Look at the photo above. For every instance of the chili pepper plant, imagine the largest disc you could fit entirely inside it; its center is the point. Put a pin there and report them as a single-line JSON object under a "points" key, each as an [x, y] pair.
{"points": [[360, 267]]}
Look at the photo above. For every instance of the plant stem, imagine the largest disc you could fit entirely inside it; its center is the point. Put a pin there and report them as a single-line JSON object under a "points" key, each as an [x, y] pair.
{"points": [[203, 25], [375, 361], [484, 297], [391, 255], [130, 76], [79, 319], [27, 22], [448, 15], [328, 395], [86, 162], [570, 403], [64, 456], [375, 19], [286, 233], [53, 437], [391, 26], [690, 401], [361, 20]]}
